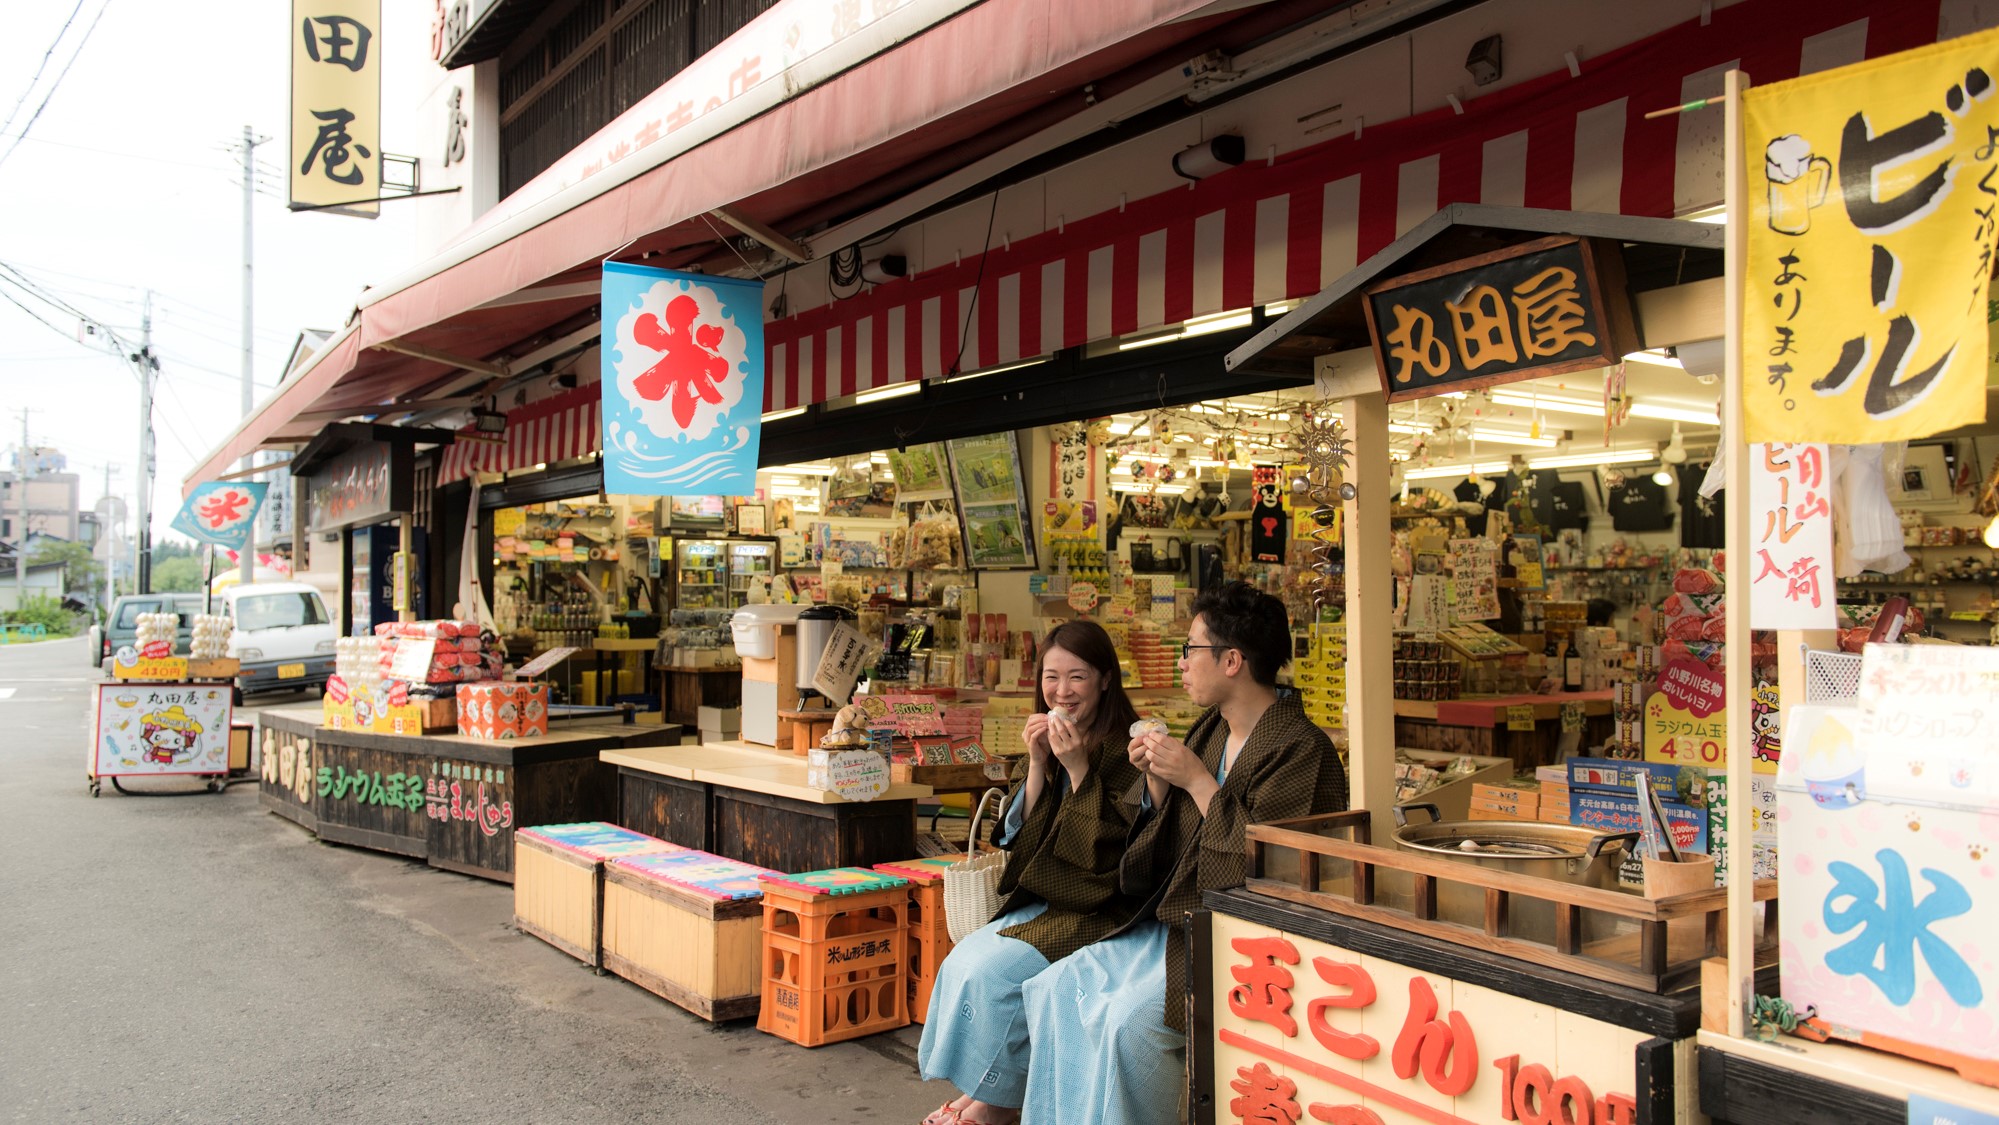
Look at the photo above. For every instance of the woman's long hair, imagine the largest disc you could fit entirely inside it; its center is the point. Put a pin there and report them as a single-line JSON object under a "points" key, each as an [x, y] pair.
{"points": [[1087, 641]]}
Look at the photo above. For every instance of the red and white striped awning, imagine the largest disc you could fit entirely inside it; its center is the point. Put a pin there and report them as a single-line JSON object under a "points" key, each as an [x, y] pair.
{"points": [[1277, 231], [555, 429]]}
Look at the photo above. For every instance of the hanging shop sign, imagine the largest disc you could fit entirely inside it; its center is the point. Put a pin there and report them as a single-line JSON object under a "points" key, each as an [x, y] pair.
{"points": [[221, 513], [1307, 1031], [683, 382], [336, 111], [1870, 236], [992, 501], [1791, 585], [1540, 308], [367, 484]]}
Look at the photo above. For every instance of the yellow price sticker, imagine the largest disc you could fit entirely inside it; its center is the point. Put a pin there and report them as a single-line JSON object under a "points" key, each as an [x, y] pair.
{"points": [[1520, 716]]}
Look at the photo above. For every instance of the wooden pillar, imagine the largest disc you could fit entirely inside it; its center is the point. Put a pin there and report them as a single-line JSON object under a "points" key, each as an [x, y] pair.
{"points": [[1737, 677], [1370, 626]]}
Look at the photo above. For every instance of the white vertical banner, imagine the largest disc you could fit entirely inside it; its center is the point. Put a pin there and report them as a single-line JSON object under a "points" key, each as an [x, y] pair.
{"points": [[1790, 531]]}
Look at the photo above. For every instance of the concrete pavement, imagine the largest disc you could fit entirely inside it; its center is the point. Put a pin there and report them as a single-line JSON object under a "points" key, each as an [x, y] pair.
{"points": [[193, 958]]}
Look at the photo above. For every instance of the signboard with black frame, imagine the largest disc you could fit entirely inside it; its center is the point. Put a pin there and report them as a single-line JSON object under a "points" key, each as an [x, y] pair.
{"points": [[1540, 308]]}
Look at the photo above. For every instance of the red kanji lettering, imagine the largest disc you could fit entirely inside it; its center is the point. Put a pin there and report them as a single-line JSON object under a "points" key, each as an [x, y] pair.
{"points": [[1344, 1114], [1263, 993], [1445, 1053], [1354, 976], [1267, 1098]]}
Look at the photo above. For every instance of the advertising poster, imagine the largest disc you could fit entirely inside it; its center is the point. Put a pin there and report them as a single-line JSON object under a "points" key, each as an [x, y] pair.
{"points": [[683, 382], [221, 513], [996, 536], [1870, 245], [160, 729], [920, 472]]}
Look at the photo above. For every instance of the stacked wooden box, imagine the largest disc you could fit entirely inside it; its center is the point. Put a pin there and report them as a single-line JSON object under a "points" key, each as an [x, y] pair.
{"points": [[559, 882], [1517, 800], [1554, 782], [683, 927]]}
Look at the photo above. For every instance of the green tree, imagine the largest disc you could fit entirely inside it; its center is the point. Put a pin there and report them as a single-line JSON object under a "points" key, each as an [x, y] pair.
{"points": [[47, 612], [79, 570], [178, 575]]}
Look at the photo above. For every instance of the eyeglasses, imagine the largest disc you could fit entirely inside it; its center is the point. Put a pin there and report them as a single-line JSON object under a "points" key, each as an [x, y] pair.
{"points": [[1187, 650]]}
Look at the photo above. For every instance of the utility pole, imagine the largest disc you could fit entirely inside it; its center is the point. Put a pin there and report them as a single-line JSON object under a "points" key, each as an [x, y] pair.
{"points": [[247, 557], [147, 365], [104, 526], [21, 474]]}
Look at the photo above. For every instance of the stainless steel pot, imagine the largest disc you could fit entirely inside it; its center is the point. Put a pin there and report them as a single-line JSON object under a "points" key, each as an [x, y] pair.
{"points": [[1547, 851]]}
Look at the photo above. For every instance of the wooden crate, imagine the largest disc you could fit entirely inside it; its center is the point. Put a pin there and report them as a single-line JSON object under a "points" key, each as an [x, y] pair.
{"points": [[219, 668], [962, 775], [559, 898], [697, 952], [1653, 945]]}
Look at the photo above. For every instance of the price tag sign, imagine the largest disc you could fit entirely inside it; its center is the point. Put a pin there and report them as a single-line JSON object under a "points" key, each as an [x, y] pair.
{"points": [[858, 775], [831, 569], [412, 660], [840, 665], [545, 661], [1082, 596], [1520, 716], [1572, 718], [400, 569]]}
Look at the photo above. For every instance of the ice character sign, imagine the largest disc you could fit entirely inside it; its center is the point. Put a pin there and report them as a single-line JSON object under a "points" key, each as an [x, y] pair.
{"points": [[221, 512], [683, 382]]}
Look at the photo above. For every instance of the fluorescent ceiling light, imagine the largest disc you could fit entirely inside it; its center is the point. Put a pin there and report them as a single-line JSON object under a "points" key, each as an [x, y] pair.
{"points": [[1435, 472], [776, 414], [896, 391], [1161, 489], [878, 458], [1279, 308], [782, 490], [812, 470], [1702, 416], [1217, 322], [1410, 428], [1147, 341], [1543, 402], [1591, 460], [1506, 438], [1206, 463], [1005, 367], [1187, 439], [789, 482], [1655, 356], [1710, 215]]}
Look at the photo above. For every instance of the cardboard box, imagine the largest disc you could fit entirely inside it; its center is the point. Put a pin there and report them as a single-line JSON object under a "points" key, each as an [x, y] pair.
{"points": [[1516, 810], [726, 720], [500, 710]]}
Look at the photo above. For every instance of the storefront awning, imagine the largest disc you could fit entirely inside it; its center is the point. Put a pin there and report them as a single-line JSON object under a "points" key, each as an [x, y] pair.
{"points": [[1657, 253], [851, 135]]}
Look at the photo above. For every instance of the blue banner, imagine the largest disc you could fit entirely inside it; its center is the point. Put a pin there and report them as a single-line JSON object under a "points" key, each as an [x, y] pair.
{"points": [[221, 512], [683, 378]]}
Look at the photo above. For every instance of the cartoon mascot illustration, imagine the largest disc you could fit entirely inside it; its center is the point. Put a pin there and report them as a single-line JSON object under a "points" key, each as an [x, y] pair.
{"points": [[168, 736]]}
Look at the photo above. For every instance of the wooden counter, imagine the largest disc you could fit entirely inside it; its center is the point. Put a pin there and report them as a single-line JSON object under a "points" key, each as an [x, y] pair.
{"points": [[450, 800], [750, 802]]}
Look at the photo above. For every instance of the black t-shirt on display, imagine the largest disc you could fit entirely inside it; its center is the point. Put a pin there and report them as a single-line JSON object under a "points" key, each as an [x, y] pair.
{"points": [[1639, 504], [1702, 521]]}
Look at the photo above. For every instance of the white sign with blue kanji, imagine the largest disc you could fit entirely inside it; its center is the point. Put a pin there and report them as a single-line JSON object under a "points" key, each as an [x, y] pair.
{"points": [[683, 382]]}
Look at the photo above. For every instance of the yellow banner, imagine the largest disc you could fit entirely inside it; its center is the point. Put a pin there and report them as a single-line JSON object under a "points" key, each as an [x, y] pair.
{"points": [[1870, 241], [336, 127]]}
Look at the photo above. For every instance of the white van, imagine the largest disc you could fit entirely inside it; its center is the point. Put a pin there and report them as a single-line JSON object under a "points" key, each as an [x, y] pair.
{"points": [[284, 636]]}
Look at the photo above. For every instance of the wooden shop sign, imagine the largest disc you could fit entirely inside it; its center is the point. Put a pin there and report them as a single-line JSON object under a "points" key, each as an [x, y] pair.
{"points": [[1306, 1031], [1541, 308]]}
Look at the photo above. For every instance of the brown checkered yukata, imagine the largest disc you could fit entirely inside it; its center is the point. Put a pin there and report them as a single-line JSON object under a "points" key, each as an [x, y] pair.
{"points": [[1067, 853], [1288, 768]]}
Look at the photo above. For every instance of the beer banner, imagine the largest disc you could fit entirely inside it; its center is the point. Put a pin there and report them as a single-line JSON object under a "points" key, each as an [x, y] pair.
{"points": [[1870, 233]]}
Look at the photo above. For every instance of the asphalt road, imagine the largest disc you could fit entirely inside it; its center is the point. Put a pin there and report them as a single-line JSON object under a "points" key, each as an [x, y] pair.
{"points": [[194, 958]]}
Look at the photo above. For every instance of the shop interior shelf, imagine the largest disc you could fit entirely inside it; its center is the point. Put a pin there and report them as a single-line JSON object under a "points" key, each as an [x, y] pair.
{"points": [[1651, 944]]}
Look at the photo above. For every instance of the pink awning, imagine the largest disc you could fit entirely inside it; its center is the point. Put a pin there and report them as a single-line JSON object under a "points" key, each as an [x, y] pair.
{"points": [[924, 97]]}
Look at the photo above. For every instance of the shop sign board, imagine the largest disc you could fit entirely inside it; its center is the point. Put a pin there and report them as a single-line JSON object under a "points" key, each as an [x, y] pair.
{"points": [[367, 484], [1540, 308], [839, 668], [285, 770], [683, 382], [1308, 1031], [221, 513], [1791, 518], [160, 729], [1869, 247], [336, 106], [480, 798]]}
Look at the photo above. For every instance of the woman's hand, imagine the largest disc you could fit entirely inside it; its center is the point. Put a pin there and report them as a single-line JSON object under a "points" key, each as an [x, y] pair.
{"points": [[1035, 734], [1168, 761], [1065, 742]]}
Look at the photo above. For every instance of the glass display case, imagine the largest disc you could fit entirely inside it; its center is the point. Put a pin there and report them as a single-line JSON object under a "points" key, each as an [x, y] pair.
{"points": [[701, 574], [749, 562]]}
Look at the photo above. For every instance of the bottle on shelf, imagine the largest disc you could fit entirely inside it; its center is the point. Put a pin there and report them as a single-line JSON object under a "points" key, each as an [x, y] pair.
{"points": [[1572, 667]]}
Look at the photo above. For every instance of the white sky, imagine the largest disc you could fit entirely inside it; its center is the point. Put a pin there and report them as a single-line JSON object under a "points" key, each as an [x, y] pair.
{"points": [[127, 182]]}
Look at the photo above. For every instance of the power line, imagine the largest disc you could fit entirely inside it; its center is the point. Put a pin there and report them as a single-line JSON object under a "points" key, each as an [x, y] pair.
{"points": [[219, 170], [57, 84], [43, 65]]}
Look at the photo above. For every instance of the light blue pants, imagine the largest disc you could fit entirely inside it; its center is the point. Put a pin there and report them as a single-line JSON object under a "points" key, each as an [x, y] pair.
{"points": [[1103, 1054], [977, 1034]]}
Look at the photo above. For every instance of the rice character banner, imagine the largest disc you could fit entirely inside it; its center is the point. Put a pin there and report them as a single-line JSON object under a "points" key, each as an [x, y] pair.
{"points": [[1870, 242], [154, 730], [221, 512], [683, 382]]}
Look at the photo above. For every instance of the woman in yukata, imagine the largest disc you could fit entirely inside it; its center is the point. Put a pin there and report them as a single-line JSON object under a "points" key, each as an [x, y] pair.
{"points": [[1108, 1025], [1065, 828]]}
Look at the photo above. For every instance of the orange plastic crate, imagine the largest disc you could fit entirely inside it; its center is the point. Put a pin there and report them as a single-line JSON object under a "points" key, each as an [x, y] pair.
{"points": [[834, 966], [929, 937]]}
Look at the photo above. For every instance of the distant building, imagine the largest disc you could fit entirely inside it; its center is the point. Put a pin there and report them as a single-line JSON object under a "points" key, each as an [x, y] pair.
{"points": [[54, 496]]}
